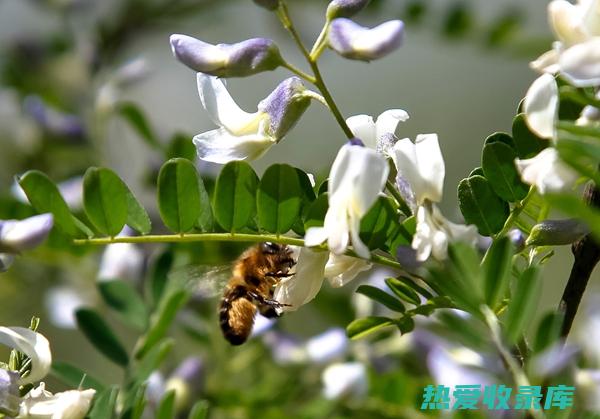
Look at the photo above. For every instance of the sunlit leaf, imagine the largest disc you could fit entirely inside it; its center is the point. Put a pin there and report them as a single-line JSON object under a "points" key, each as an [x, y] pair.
{"points": [[166, 407], [362, 327], [179, 195], [105, 200], [279, 198], [526, 142], [403, 290], [497, 270], [498, 163], [379, 224], [234, 200], [44, 196], [381, 297], [481, 206], [104, 404], [523, 304]]}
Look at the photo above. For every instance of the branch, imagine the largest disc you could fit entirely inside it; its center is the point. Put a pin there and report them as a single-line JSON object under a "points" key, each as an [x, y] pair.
{"points": [[587, 254]]}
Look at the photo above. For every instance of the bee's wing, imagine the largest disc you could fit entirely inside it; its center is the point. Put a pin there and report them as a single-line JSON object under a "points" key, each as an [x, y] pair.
{"points": [[202, 280]]}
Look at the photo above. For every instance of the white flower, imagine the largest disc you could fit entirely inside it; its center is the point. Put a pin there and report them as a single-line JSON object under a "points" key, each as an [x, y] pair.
{"points": [[421, 172], [356, 42], [61, 303], [580, 64], [41, 404], [546, 171], [421, 165], [19, 235], [377, 134], [541, 106], [327, 346], [32, 344], [242, 135], [347, 380], [434, 232], [357, 176], [121, 261], [310, 271]]}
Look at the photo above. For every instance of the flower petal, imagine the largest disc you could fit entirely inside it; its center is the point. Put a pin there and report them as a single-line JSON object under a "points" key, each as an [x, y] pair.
{"points": [[196, 54], [315, 236], [388, 121], [32, 344], [566, 21], [541, 106], [356, 42], [222, 108], [580, 64], [422, 165], [363, 127], [220, 146], [341, 269], [547, 172], [306, 282], [18, 235]]}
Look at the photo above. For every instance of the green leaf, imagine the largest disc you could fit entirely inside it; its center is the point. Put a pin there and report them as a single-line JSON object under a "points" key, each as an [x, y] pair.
{"points": [[403, 291], [199, 410], [235, 196], [104, 404], [308, 197], [379, 224], [179, 196], [74, 377], [160, 275], [575, 207], [181, 145], [315, 215], [105, 200], [505, 27], [548, 331], [166, 408], [135, 401], [523, 304], [137, 217], [360, 328], [497, 266], [99, 334], [123, 298], [498, 163], [500, 137], [279, 198], [382, 297], [526, 142], [406, 324], [44, 196], [132, 114], [481, 206], [153, 360], [477, 171], [161, 321]]}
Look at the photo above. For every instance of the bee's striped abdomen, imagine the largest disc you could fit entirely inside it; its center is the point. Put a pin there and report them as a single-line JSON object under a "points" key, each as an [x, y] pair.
{"points": [[236, 315]]}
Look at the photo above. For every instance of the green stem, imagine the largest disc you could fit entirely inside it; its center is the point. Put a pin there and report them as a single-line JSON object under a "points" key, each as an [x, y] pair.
{"points": [[287, 23], [220, 237], [517, 372], [299, 72], [514, 215], [320, 44], [396, 195]]}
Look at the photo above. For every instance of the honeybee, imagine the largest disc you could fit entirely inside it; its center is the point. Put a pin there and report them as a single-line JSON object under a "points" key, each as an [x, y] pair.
{"points": [[255, 274]]}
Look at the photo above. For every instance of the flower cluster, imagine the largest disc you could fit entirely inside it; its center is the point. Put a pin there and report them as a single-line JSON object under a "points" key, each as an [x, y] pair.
{"points": [[574, 56]]}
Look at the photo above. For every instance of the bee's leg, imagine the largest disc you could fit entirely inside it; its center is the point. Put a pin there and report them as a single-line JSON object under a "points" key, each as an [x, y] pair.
{"points": [[278, 274], [266, 302], [268, 311]]}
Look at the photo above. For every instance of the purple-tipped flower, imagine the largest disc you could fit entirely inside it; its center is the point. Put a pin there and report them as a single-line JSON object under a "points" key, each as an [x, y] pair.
{"points": [[227, 60], [267, 4], [356, 42], [242, 135], [345, 8], [53, 121], [19, 235], [9, 393]]}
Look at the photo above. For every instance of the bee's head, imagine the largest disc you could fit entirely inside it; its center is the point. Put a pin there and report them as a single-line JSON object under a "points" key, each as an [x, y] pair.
{"points": [[271, 248]]}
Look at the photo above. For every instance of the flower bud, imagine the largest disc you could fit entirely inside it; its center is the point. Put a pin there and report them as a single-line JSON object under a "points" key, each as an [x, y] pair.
{"points": [[356, 42], [9, 393], [267, 4], [285, 105], [187, 381], [19, 235], [345, 8], [556, 232], [517, 238], [227, 60]]}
